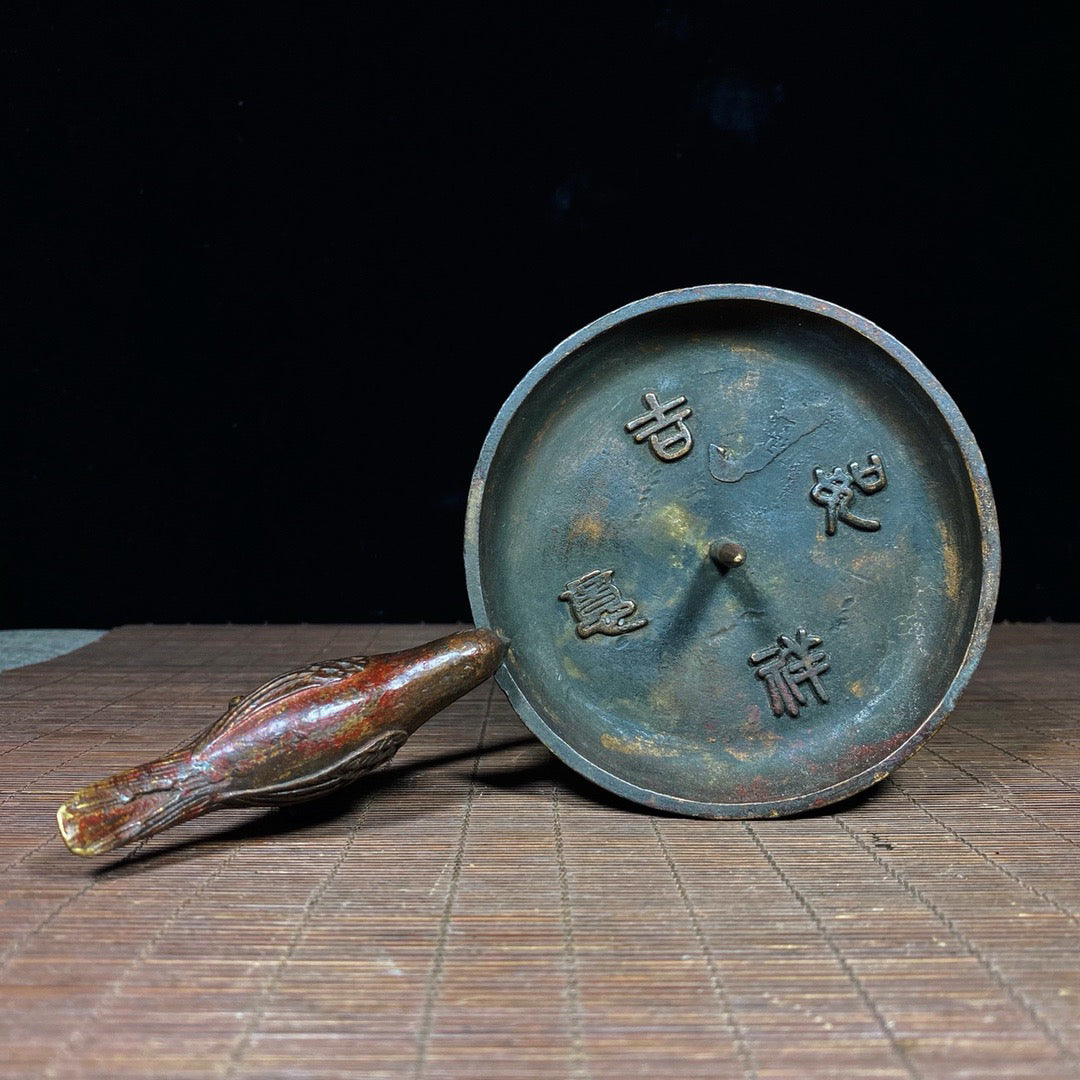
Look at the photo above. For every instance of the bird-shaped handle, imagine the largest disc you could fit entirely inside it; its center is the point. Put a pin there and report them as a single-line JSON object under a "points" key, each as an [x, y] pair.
{"points": [[296, 737]]}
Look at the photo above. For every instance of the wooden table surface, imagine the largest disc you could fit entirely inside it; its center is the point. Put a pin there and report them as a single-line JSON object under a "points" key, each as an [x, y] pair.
{"points": [[477, 910]]}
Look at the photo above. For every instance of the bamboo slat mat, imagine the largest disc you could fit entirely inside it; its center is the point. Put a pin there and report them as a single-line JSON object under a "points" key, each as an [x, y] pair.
{"points": [[476, 910]]}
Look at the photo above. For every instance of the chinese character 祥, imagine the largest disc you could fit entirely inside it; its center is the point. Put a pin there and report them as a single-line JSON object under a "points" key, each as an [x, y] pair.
{"points": [[598, 607], [788, 664], [835, 491], [667, 419]]}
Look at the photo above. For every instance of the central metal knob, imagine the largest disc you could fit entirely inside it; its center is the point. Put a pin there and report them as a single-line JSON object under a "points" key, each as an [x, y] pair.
{"points": [[727, 554]]}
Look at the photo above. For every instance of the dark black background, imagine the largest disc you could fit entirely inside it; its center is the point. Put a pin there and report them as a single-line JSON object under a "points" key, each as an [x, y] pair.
{"points": [[274, 269]]}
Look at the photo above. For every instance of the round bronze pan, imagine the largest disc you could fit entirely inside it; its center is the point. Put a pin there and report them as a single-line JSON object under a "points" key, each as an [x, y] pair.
{"points": [[743, 546]]}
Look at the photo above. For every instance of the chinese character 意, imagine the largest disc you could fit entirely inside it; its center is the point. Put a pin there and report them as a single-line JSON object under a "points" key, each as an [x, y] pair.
{"points": [[835, 491], [788, 664], [663, 426], [597, 606]]}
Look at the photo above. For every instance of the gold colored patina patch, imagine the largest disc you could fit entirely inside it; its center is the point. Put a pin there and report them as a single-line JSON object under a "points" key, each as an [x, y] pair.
{"points": [[674, 520], [637, 745], [951, 558], [587, 526], [572, 669], [755, 744], [870, 562], [676, 523]]}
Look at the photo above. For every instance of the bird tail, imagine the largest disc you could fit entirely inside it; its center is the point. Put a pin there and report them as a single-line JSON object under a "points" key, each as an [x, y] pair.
{"points": [[133, 805]]}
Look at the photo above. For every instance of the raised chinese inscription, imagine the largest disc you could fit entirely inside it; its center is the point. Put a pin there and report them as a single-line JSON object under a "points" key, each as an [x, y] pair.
{"points": [[787, 666], [664, 426], [598, 607], [836, 490]]}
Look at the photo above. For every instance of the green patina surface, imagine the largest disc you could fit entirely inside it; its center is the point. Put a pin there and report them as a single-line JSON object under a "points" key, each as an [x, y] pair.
{"points": [[675, 710]]}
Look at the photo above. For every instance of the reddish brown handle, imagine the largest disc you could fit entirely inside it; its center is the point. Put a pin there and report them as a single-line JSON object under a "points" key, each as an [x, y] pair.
{"points": [[296, 737]]}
